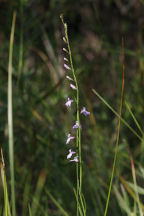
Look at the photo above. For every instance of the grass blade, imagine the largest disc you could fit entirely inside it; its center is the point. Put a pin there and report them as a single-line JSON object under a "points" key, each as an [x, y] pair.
{"points": [[118, 133], [135, 183], [128, 189], [115, 112], [122, 202], [30, 213], [135, 120], [4, 183], [79, 206], [57, 204], [10, 117]]}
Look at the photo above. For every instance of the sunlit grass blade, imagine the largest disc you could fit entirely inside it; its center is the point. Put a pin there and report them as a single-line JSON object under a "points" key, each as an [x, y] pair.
{"points": [[125, 195], [30, 213], [10, 117], [128, 189], [135, 208], [118, 133], [140, 190], [4, 183], [122, 202], [134, 118], [141, 172], [5, 190], [135, 184], [57, 204]]}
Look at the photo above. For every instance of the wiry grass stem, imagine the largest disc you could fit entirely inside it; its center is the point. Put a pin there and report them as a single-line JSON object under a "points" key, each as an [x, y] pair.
{"points": [[10, 117]]}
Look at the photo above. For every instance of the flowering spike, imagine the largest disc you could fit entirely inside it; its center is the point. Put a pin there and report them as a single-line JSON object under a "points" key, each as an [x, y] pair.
{"points": [[69, 78], [70, 154], [69, 138], [84, 111], [75, 159], [68, 103], [67, 67], [73, 86]]}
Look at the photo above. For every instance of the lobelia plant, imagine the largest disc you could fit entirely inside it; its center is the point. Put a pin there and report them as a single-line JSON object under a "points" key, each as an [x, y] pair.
{"points": [[72, 155]]}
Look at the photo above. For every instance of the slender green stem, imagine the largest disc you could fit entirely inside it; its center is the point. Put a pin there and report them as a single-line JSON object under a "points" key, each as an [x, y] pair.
{"points": [[10, 117]]}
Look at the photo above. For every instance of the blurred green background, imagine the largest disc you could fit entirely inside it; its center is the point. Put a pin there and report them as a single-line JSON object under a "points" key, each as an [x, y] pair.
{"points": [[41, 120]]}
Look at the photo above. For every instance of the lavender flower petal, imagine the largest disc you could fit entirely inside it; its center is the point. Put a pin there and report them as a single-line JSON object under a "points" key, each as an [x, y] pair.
{"points": [[75, 159], [76, 125], [84, 111], [64, 39], [65, 59], [68, 103], [67, 67], [69, 138], [69, 78], [65, 50], [73, 87], [70, 154]]}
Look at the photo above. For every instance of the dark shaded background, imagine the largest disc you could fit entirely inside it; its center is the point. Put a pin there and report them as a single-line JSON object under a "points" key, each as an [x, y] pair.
{"points": [[41, 120]]}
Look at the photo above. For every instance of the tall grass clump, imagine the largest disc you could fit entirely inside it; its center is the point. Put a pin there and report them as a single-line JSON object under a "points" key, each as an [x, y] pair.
{"points": [[68, 65]]}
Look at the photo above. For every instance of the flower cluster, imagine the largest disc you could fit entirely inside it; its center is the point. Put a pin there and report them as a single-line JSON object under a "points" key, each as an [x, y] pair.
{"points": [[72, 155]]}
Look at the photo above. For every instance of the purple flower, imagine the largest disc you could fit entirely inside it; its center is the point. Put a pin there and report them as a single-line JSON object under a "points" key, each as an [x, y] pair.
{"points": [[68, 103], [73, 87], [85, 112], [70, 154], [76, 125], [67, 67], [69, 138], [69, 78], [75, 159]]}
